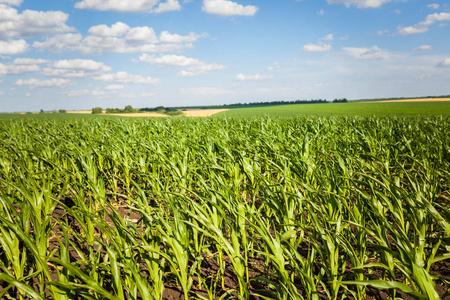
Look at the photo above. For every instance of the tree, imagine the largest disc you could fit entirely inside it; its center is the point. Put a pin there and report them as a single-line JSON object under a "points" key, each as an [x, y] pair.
{"points": [[41, 111], [129, 109], [97, 110], [62, 111]]}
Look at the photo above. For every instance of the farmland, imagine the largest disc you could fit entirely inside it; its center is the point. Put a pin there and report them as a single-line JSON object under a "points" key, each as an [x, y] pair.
{"points": [[305, 207], [389, 108]]}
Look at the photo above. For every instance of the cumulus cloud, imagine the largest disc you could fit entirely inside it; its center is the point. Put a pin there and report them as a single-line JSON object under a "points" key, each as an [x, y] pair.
{"points": [[193, 66], [412, 30], [30, 61], [445, 63], [137, 6], [228, 8], [114, 87], [76, 68], [167, 37], [275, 66], [433, 6], [37, 83], [117, 29], [30, 23], [18, 69], [141, 95], [367, 53], [124, 77], [12, 2], [142, 34], [242, 77], [118, 38], [76, 93], [360, 3], [423, 48], [321, 47], [170, 5], [423, 26], [13, 47], [205, 91], [328, 37]]}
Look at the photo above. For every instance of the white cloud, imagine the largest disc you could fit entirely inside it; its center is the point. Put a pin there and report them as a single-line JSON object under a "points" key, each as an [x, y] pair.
{"points": [[75, 93], [382, 32], [13, 47], [367, 53], [137, 6], [423, 48], [124, 77], [445, 63], [117, 38], [166, 37], [37, 83], [18, 69], [30, 61], [170, 5], [320, 12], [141, 95], [328, 37], [433, 6], [321, 47], [12, 2], [228, 8], [360, 3], [81, 64], [142, 34], [423, 26], [76, 68], [117, 29], [30, 23], [2, 92], [412, 30], [275, 66], [242, 77], [205, 91], [169, 60], [114, 87], [193, 66]]}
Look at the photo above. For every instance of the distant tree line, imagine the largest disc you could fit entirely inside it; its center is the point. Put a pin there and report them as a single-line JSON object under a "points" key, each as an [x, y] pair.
{"points": [[127, 109], [281, 102], [61, 111], [343, 100], [161, 109], [158, 108]]}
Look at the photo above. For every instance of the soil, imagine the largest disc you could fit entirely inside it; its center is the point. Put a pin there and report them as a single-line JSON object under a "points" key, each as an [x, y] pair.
{"points": [[202, 112], [187, 113]]}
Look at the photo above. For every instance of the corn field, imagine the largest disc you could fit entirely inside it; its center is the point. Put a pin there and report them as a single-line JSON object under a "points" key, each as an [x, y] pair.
{"points": [[225, 208]]}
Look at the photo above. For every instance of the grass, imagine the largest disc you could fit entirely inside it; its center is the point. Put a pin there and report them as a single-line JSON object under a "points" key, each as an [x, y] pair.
{"points": [[341, 109]]}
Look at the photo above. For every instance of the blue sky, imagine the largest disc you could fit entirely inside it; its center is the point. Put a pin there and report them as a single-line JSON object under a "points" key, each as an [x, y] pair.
{"points": [[78, 54]]}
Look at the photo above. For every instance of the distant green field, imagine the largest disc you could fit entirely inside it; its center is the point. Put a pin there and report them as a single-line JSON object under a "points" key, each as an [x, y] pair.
{"points": [[52, 116], [328, 109]]}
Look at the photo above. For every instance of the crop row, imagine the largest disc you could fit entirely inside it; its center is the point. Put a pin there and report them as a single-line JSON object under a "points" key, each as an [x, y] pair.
{"points": [[259, 208]]}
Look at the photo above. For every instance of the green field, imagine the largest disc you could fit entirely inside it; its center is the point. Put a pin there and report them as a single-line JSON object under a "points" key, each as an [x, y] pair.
{"points": [[339, 109], [232, 208]]}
